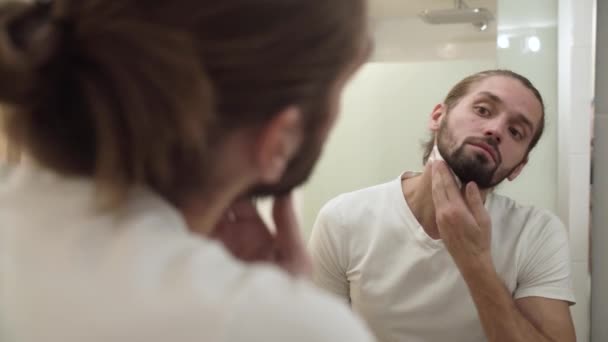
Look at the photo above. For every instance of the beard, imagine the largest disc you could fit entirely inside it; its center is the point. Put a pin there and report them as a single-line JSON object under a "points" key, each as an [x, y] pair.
{"points": [[473, 167], [297, 172]]}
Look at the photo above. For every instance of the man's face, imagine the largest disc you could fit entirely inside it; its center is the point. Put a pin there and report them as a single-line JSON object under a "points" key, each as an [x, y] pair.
{"points": [[485, 137]]}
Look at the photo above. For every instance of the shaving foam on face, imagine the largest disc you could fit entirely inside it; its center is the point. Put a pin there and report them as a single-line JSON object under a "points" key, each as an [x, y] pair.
{"points": [[435, 155]]}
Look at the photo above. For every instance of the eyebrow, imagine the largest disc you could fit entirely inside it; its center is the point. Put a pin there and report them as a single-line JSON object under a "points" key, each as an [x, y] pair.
{"points": [[519, 116]]}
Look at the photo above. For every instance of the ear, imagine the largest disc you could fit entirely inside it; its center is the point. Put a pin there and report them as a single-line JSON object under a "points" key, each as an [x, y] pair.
{"points": [[437, 116], [277, 143], [517, 170]]}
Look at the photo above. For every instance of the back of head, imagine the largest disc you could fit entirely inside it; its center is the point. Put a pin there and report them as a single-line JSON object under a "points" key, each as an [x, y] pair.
{"points": [[135, 92]]}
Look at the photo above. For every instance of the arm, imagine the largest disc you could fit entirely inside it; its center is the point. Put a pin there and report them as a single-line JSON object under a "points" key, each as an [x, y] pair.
{"points": [[465, 227], [504, 319]]}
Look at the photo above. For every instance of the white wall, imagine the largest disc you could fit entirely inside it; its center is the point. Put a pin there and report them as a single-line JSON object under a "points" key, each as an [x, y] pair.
{"points": [[599, 310], [576, 46]]}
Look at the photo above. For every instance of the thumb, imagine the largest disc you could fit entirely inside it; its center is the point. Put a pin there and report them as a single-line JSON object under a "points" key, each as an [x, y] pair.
{"points": [[286, 224], [288, 241]]}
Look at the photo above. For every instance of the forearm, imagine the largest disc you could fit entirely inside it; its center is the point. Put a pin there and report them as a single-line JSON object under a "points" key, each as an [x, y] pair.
{"points": [[499, 316]]}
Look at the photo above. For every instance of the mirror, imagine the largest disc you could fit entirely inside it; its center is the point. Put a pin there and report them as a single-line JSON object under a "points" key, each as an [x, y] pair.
{"points": [[386, 109]]}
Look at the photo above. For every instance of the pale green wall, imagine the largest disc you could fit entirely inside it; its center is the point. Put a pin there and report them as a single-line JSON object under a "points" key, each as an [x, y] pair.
{"points": [[384, 118], [519, 19]]}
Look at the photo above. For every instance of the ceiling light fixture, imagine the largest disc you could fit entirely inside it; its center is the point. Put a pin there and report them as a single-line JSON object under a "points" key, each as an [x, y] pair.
{"points": [[460, 14]]}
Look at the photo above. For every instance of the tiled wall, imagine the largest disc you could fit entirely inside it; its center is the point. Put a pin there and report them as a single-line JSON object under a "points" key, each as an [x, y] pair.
{"points": [[576, 49], [599, 321]]}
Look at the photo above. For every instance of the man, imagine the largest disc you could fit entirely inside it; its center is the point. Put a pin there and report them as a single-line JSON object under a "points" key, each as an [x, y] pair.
{"points": [[145, 125], [423, 259]]}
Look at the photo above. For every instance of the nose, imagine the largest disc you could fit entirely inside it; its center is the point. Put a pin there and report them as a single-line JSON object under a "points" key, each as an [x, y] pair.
{"points": [[494, 129]]}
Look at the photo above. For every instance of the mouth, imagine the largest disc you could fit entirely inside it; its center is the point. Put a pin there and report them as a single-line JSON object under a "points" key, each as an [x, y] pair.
{"points": [[488, 150]]}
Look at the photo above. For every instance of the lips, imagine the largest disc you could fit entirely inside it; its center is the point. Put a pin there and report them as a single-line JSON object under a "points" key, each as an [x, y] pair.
{"points": [[491, 151]]}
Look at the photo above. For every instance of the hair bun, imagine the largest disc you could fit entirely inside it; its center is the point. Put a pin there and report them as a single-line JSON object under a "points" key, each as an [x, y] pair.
{"points": [[29, 39]]}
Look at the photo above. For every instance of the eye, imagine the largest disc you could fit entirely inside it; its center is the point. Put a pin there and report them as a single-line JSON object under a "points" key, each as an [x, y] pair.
{"points": [[482, 111], [516, 133]]}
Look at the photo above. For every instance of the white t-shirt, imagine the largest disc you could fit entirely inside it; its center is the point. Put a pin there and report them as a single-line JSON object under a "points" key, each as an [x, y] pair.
{"points": [[369, 249], [70, 273]]}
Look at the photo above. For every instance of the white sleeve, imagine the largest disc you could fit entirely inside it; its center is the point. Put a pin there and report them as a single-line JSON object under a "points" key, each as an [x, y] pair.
{"points": [[545, 269], [291, 310], [329, 253]]}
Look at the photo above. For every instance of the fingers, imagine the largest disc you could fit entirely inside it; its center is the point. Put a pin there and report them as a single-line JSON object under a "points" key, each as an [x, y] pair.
{"points": [[440, 197], [243, 232], [450, 207], [445, 179], [444, 188], [244, 209]]}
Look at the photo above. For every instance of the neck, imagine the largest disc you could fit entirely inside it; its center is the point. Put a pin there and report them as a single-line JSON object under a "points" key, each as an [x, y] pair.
{"points": [[419, 197], [203, 211]]}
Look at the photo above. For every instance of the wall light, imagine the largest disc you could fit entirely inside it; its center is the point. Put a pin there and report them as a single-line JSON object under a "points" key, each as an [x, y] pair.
{"points": [[503, 41], [533, 43]]}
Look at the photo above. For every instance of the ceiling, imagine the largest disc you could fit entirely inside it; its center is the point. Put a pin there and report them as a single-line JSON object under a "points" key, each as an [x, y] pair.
{"points": [[400, 35], [383, 9]]}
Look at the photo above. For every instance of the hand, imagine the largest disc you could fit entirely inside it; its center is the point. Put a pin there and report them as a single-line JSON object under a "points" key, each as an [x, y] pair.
{"points": [[463, 222], [246, 236]]}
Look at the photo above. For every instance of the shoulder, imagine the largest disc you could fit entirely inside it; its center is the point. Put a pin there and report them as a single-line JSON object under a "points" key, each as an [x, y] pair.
{"points": [[362, 202], [353, 216], [274, 307], [530, 221], [505, 208], [216, 297], [137, 274]]}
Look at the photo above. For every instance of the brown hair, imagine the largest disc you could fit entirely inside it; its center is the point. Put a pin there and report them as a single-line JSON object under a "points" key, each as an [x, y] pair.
{"points": [[463, 87], [134, 91]]}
